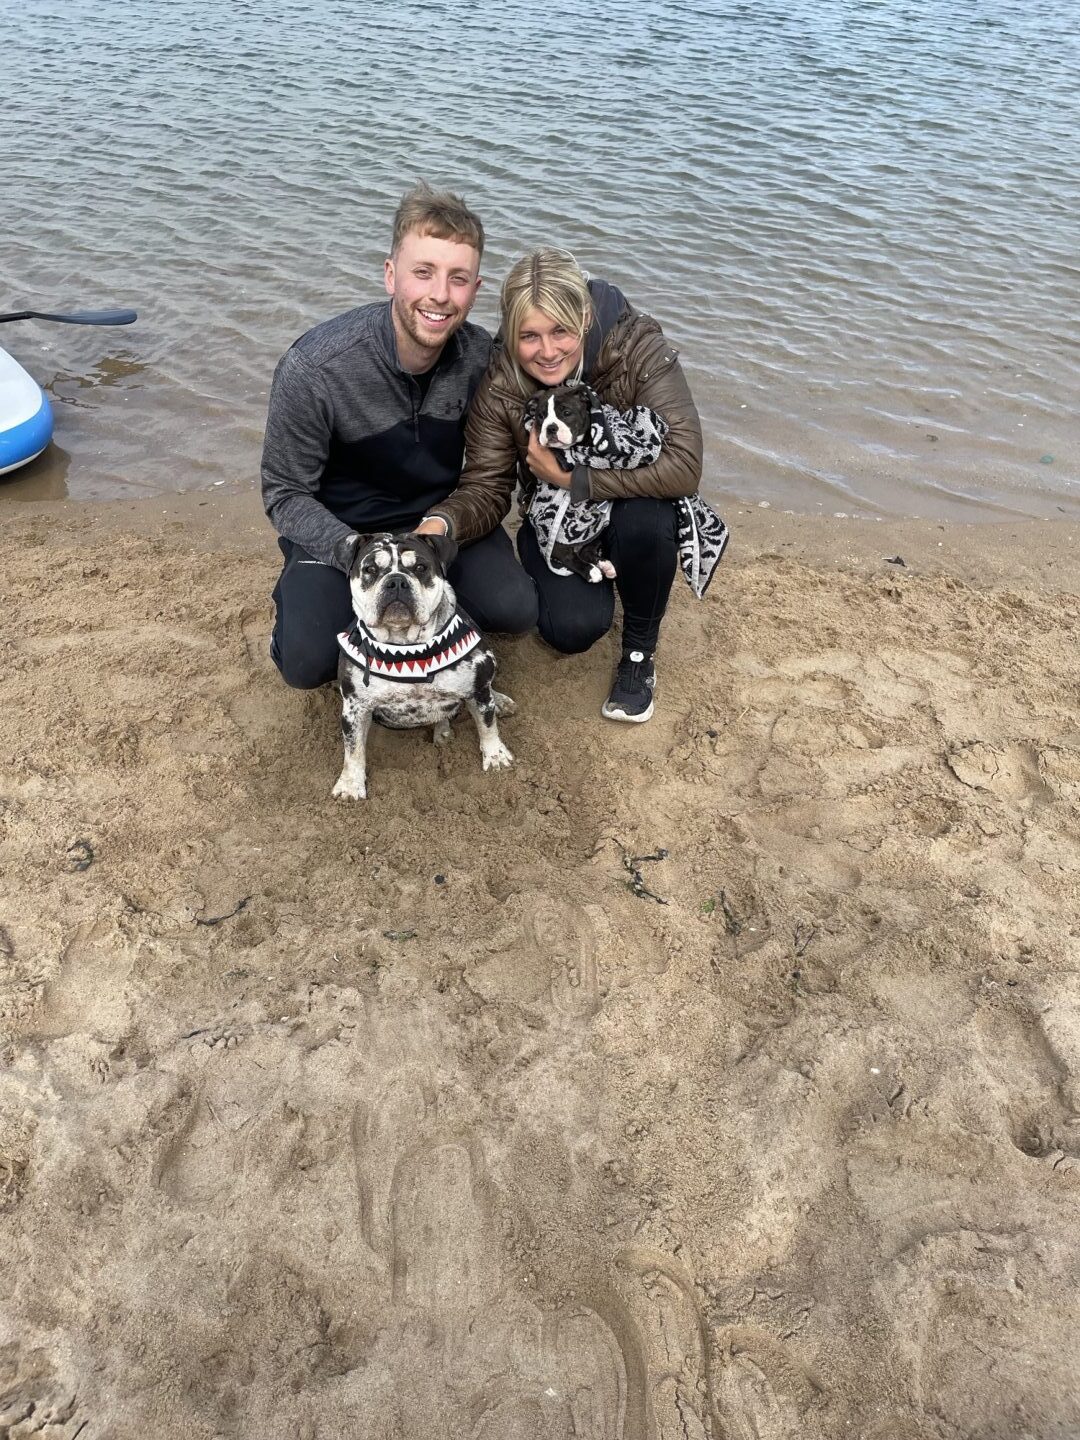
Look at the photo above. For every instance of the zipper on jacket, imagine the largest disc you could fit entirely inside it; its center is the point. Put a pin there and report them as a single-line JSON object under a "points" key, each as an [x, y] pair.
{"points": [[414, 391]]}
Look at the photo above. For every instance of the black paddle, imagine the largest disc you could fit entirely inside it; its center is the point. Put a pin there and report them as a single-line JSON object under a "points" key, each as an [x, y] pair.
{"points": [[77, 317]]}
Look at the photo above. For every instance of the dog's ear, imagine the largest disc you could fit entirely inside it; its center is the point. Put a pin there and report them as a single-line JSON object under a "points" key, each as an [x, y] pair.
{"points": [[363, 541], [444, 549], [534, 405]]}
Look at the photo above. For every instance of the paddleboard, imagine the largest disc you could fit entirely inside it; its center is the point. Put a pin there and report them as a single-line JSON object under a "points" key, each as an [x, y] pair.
{"points": [[26, 420]]}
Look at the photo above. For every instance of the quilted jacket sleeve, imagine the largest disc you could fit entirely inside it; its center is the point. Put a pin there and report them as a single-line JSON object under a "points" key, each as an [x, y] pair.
{"points": [[486, 488], [655, 378]]}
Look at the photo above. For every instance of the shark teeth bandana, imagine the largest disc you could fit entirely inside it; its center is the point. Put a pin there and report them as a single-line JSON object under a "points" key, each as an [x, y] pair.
{"points": [[411, 663]]}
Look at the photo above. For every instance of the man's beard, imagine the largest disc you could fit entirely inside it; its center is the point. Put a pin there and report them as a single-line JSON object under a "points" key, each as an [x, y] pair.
{"points": [[411, 324]]}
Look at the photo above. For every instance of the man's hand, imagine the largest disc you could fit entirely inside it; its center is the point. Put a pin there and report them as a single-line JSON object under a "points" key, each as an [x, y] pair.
{"points": [[544, 466], [432, 526]]}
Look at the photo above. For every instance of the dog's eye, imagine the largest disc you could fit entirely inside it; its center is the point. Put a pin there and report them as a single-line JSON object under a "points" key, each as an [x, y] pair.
{"points": [[420, 568]]}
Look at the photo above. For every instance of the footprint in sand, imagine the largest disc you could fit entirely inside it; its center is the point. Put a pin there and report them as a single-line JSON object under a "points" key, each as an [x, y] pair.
{"points": [[396, 1117], [589, 1374], [760, 1391], [562, 935], [223, 1147], [255, 626], [1009, 772], [515, 1417], [1036, 1082], [659, 1294], [444, 1245]]}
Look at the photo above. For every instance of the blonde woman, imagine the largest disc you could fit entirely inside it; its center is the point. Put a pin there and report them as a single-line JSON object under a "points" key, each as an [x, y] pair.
{"points": [[558, 325]]}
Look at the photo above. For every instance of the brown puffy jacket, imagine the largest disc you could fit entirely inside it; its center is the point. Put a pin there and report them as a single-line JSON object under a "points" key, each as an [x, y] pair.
{"points": [[635, 365]]}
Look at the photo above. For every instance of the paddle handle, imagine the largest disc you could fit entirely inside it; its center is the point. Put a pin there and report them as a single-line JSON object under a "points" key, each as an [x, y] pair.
{"points": [[77, 317]]}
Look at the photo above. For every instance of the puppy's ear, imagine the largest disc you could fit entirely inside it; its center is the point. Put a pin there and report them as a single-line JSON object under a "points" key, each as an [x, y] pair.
{"points": [[533, 406]]}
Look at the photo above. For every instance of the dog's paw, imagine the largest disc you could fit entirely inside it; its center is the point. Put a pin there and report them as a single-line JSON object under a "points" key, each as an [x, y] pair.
{"points": [[349, 789], [607, 569], [442, 734], [503, 704], [595, 575], [498, 757]]}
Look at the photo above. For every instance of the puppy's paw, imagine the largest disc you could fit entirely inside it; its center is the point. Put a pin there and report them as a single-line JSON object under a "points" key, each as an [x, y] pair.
{"points": [[595, 575], [349, 788], [497, 757], [503, 704], [442, 733], [607, 569]]}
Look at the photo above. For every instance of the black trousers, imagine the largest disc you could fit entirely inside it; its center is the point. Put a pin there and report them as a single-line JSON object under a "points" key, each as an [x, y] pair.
{"points": [[313, 604], [641, 541]]}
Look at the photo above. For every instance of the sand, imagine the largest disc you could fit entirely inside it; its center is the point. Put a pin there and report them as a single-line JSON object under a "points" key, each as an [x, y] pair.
{"points": [[450, 1115]]}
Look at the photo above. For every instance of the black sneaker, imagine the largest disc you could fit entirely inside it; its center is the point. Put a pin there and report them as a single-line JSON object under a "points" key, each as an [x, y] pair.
{"points": [[631, 695]]}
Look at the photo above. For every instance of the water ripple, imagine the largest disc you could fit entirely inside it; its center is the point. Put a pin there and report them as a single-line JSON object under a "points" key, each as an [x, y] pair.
{"points": [[856, 223]]}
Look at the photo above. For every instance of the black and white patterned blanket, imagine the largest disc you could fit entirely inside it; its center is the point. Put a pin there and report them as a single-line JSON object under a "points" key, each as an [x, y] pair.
{"points": [[623, 441]]}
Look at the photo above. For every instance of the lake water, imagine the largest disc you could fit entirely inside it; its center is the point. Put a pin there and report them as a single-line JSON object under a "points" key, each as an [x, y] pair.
{"points": [[858, 221]]}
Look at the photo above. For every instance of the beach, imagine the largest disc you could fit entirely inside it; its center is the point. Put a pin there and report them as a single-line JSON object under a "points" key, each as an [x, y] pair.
{"points": [[713, 1079]]}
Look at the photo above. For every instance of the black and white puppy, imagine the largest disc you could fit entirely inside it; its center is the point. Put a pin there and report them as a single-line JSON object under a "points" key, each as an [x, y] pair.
{"points": [[560, 418], [411, 656]]}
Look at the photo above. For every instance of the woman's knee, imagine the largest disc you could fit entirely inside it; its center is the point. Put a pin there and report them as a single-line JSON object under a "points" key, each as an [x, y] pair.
{"points": [[644, 527], [573, 634]]}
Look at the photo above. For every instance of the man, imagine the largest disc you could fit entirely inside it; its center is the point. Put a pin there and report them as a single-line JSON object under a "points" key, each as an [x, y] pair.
{"points": [[366, 433]]}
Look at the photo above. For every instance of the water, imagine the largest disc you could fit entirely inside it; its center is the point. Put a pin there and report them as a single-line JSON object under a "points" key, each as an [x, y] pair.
{"points": [[858, 221]]}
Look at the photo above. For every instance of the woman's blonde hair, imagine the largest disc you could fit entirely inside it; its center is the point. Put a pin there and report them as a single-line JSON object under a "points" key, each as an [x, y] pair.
{"points": [[550, 280]]}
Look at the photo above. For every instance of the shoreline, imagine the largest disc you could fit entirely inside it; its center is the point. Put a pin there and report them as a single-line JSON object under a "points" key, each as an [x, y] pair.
{"points": [[714, 1076], [1040, 552]]}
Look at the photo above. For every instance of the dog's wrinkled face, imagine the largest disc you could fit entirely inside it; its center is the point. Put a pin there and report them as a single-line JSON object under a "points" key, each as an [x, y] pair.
{"points": [[560, 416], [398, 583]]}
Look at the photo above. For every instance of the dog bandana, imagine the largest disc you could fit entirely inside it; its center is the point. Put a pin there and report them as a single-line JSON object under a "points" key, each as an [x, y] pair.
{"points": [[411, 663], [623, 441]]}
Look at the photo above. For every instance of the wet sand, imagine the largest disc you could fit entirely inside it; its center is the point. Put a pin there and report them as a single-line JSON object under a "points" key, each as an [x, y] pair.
{"points": [[717, 1078]]}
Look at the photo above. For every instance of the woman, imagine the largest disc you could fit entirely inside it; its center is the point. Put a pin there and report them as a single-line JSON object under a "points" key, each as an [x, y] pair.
{"points": [[558, 326]]}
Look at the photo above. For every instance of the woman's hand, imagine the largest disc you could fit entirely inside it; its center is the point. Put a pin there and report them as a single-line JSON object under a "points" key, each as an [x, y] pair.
{"points": [[544, 465]]}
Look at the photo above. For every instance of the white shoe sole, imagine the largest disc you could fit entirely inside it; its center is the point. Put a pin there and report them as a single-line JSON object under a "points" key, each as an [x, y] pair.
{"points": [[610, 713]]}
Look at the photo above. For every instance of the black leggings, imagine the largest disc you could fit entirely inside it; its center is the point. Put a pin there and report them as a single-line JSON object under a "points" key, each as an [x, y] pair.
{"points": [[641, 541], [313, 604]]}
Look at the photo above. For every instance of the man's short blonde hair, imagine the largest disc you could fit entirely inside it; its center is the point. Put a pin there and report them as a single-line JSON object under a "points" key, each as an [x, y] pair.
{"points": [[438, 213]]}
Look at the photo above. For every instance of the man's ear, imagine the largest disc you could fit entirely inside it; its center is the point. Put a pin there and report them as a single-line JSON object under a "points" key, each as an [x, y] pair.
{"points": [[388, 274]]}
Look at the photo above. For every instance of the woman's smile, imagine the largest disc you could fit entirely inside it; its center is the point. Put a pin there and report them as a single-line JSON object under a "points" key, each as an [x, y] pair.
{"points": [[547, 350]]}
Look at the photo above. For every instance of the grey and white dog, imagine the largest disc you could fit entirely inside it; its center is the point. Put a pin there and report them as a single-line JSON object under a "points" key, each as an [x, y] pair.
{"points": [[412, 657]]}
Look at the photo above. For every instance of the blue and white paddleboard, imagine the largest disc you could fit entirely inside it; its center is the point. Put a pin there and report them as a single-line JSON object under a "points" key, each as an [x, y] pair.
{"points": [[26, 420]]}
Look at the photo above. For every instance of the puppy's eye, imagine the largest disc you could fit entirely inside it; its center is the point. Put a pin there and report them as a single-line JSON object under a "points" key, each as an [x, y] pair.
{"points": [[420, 568]]}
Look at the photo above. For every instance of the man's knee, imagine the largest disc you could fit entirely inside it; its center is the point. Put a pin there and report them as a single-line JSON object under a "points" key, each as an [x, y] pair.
{"points": [[303, 668], [511, 608], [515, 613]]}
